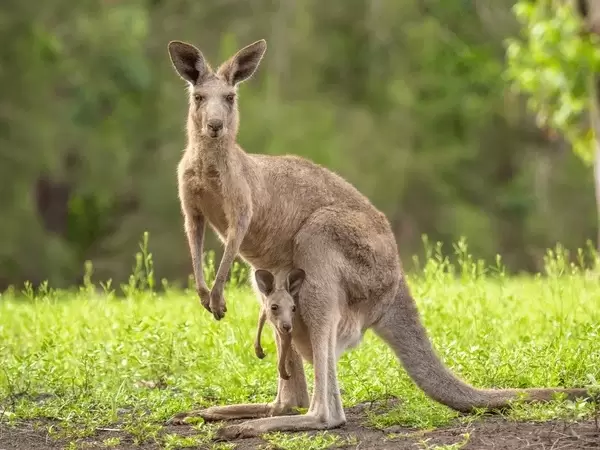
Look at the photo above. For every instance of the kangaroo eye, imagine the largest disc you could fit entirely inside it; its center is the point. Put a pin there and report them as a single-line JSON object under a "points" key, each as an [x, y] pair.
{"points": [[294, 308], [274, 307], [198, 97], [230, 98]]}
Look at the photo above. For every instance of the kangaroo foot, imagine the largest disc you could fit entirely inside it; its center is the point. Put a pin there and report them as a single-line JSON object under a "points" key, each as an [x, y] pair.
{"points": [[253, 428], [229, 412]]}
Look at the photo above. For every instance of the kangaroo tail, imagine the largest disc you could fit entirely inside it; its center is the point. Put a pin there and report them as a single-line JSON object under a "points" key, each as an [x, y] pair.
{"points": [[401, 328]]}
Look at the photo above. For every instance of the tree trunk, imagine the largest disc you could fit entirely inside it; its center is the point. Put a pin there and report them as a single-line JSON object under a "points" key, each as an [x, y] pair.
{"points": [[596, 120], [590, 12]]}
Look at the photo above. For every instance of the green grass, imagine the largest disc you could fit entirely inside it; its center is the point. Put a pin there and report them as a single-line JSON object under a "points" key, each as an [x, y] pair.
{"points": [[305, 441], [81, 360]]}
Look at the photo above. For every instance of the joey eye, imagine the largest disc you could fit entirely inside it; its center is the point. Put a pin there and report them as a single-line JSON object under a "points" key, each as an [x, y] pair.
{"points": [[230, 98], [274, 307], [294, 308], [198, 97]]}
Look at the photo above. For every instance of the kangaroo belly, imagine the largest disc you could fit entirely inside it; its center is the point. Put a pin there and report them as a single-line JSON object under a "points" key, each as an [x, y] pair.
{"points": [[350, 334], [268, 245]]}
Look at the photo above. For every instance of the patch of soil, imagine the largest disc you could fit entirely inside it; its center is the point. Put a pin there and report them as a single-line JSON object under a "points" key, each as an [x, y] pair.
{"points": [[26, 436], [490, 433]]}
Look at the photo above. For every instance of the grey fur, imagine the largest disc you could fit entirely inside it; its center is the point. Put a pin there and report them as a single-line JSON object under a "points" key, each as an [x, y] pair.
{"points": [[280, 212]]}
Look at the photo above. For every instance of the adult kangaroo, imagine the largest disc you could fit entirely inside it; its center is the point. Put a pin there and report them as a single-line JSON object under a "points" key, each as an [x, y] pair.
{"points": [[284, 212]]}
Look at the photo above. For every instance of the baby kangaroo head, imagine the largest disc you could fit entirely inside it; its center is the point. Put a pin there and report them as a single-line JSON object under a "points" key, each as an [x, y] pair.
{"points": [[213, 99], [280, 299]]}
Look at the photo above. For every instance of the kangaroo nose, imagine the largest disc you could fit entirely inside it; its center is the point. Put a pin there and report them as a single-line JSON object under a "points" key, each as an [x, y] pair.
{"points": [[287, 327], [215, 124]]}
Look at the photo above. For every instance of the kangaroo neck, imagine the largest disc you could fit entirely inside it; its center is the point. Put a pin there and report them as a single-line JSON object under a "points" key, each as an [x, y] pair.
{"points": [[215, 151], [218, 153], [212, 151]]}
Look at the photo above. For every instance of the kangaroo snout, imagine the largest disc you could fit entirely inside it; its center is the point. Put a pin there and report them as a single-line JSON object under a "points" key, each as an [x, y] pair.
{"points": [[286, 327], [215, 126]]}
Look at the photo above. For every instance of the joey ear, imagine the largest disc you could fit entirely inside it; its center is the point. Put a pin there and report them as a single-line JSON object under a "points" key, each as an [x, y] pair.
{"points": [[244, 63], [294, 281], [265, 281], [188, 61]]}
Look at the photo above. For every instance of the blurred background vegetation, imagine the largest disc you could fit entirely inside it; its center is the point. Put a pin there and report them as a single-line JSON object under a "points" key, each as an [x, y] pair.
{"points": [[407, 99]]}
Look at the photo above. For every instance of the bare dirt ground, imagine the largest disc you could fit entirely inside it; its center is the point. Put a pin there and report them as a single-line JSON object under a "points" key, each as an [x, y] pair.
{"points": [[489, 433]]}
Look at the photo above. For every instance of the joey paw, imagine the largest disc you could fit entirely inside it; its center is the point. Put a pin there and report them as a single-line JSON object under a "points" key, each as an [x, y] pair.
{"points": [[217, 304], [260, 354]]}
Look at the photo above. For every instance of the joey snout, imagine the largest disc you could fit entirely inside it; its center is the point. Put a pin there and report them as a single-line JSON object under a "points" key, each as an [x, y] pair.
{"points": [[285, 327]]}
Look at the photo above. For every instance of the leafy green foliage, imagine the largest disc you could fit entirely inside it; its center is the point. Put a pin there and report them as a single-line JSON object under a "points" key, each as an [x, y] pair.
{"points": [[552, 63], [405, 100]]}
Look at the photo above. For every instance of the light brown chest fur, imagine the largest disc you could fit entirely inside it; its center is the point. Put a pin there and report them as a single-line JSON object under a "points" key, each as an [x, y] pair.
{"points": [[201, 190]]}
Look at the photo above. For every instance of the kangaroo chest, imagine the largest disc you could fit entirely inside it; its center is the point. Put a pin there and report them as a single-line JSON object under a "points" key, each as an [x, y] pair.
{"points": [[267, 241], [206, 196]]}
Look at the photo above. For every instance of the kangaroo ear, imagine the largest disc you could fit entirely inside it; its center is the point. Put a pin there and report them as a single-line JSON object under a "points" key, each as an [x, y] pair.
{"points": [[265, 281], [294, 281], [244, 63], [188, 61]]}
